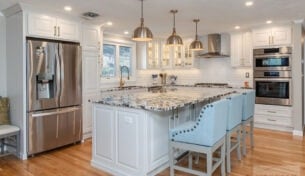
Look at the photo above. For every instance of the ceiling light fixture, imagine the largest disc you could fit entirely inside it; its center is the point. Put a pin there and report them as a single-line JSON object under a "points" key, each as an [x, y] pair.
{"points": [[126, 32], [142, 33], [174, 39], [237, 27], [249, 3], [68, 8], [196, 44], [109, 23], [269, 22]]}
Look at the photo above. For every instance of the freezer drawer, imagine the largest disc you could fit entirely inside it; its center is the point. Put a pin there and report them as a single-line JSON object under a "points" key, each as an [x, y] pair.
{"points": [[54, 128]]}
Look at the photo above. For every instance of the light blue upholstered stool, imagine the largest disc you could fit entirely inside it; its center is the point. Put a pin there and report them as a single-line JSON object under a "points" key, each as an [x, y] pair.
{"points": [[205, 135], [248, 118], [234, 127]]}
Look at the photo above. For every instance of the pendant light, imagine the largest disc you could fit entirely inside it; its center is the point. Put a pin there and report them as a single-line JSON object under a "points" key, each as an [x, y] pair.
{"points": [[174, 39], [142, 33], [196, 44]]}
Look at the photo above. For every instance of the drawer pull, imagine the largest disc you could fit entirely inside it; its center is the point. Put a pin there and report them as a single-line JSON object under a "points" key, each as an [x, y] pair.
{"points": [[271, 111], [272, 120]]}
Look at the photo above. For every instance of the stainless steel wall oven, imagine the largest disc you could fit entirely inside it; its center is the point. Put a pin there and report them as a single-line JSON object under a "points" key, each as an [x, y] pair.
{"points": [[272, 76]]}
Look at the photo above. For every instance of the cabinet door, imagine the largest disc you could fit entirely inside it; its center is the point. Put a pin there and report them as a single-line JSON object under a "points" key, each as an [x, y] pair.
{"points": [[68, 30], [177, 55], [165, 56], [188, 56], [41, 25], [281, 35], [130, 139], [236, 49], [262, 37], [87, 114], [91, 69], [247, 49], [153, 54], [91, 38]]}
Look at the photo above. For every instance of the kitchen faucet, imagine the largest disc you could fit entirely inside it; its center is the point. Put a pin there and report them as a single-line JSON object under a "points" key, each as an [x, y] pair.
{"points": [[122, 82]]}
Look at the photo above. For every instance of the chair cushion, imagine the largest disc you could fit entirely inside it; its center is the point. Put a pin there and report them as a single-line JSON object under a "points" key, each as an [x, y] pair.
{"points": [[248, 104], [4, 111], [7, 129]]}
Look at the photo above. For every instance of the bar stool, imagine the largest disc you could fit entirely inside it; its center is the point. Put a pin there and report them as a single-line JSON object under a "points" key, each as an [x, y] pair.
{"points": [[233, 127], [205, 135], [248, 118], [9, 134]]}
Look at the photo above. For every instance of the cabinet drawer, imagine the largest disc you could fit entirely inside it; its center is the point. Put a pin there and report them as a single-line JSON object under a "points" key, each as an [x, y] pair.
{"points": [[270, 110], [273, 120]]}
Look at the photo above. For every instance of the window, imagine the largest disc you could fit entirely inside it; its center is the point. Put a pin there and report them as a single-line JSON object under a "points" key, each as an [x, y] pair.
{"points": [[115, 55]]}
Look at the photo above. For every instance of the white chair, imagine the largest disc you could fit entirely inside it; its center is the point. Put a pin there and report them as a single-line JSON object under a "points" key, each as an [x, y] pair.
{"points": [[233, 127], [248, 118], [9, 137], [205, 135]]}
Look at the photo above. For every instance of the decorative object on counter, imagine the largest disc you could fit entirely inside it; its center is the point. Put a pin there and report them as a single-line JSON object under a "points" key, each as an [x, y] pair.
{"points": [[154, 77], [173, 79], [142, 33], [246, 84], [163, 78], [196, 45], [122, 82], [174, 39]]}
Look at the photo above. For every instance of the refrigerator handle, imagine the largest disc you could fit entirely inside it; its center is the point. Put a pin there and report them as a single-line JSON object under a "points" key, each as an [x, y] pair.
{"points": [[55, 112], [58, 75], [61, 69]]}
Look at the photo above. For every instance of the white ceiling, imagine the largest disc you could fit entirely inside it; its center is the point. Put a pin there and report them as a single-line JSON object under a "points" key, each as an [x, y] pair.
{"points": [[215, 15]]}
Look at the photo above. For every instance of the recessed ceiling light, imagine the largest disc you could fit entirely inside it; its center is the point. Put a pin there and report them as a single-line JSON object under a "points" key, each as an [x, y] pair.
{"points": [[249, 3], [237, 27], [126, 32], [109, 23], [269, 22], [68, 8]]}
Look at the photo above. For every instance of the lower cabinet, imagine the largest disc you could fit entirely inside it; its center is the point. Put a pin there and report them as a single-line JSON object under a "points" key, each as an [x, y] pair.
{"points": [[130, 141], [273, 117]]}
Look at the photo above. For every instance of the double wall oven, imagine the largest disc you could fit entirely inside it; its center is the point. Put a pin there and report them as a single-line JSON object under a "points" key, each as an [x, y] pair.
{"points": [[272, 76]]}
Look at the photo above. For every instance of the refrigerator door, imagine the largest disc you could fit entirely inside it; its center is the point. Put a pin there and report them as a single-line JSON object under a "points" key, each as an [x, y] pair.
{"points": [[42, 75], [71, 74], [53, 128]]}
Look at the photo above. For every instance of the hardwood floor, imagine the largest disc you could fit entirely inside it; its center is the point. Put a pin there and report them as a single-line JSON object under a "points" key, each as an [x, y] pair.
{"points": [[275, 154]]}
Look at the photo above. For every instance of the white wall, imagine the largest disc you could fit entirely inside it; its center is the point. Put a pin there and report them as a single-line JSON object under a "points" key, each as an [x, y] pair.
{"points": [[2, 57]]}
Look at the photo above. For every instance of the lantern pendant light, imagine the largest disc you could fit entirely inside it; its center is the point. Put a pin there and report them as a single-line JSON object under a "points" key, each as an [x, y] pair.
{"points": [[196, 44], [174, 39], [142, 33]]}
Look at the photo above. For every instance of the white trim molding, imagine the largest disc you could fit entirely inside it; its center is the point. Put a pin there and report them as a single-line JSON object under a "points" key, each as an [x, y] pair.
{"points": [[297, 133]]}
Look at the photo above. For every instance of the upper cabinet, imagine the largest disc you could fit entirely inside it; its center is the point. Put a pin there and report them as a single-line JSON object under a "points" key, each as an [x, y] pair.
{"points": [[156, 54], [241, 49], [91, 38], [45, 26], [280, 35]]}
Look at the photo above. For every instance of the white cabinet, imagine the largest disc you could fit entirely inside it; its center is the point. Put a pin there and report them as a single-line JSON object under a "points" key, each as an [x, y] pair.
{"points": [[45, 26], [241, 49], [91, 57], [273, 117], [280, 35]]}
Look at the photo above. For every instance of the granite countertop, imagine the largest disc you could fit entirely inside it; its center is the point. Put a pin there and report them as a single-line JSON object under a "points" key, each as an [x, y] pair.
{"points": [[165, 99]]}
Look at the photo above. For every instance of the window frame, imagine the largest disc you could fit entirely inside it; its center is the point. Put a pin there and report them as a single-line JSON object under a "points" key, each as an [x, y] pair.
{"points": [[118, 43]]}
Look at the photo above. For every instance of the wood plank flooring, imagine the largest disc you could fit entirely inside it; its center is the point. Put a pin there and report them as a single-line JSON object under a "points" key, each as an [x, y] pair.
{"points": [[275, 154]]}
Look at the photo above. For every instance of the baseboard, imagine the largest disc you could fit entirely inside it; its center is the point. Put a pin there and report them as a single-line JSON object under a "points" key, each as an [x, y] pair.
{"points": [[297, 133]]}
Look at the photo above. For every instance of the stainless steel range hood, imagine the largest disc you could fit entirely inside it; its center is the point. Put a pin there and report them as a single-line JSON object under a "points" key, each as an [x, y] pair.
{"points": [[214, 48]]}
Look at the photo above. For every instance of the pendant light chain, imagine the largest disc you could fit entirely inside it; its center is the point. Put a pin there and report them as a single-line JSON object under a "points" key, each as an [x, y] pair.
{"points": [[174, 39], [142, 18]]}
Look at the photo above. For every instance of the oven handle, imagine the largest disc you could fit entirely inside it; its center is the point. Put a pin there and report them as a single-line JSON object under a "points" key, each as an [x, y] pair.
{"points": [[273, 55], [273, 79]]}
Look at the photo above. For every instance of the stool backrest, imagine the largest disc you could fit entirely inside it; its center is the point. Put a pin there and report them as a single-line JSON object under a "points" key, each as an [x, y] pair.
{"points": [[235, 110], [248, 104], [212, 122]]}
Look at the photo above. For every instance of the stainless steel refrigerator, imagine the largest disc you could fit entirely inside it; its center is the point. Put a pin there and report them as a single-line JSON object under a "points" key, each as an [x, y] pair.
{"points": [[54, 94]]}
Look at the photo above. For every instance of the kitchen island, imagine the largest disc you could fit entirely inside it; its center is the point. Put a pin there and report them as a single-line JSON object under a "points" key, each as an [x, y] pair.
{"points": [[130, 128]]}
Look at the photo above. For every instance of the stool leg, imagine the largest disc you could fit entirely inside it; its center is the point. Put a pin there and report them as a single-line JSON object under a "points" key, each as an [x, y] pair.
{"points": [[171, 160], [17, 144], [209, 162], [238, 144], [222, 155], [228, 149], [251, 133], [190, 161], [2, 146], [243, 139]]}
